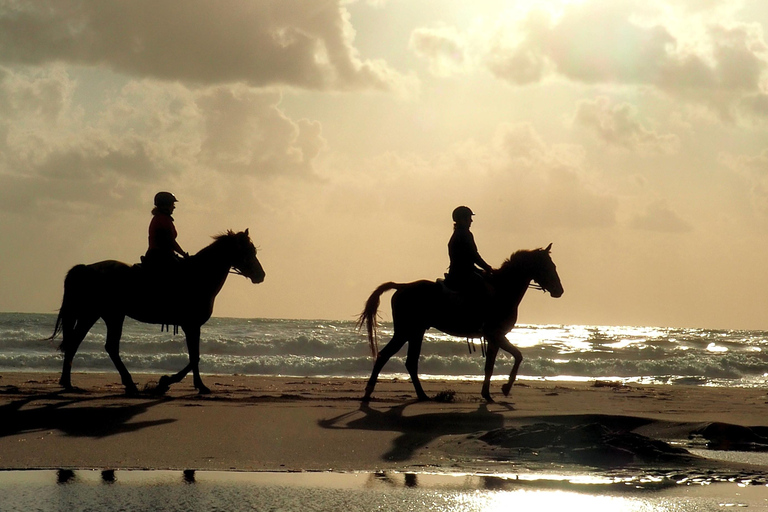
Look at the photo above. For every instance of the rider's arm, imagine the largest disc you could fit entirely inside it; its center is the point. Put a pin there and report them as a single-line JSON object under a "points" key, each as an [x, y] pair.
{"points": [[483, 264], [178, 249], [478, 260]]}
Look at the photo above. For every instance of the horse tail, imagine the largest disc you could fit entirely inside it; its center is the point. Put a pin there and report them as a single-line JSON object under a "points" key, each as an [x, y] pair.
{"points": [[370, 312], [68, 313]]}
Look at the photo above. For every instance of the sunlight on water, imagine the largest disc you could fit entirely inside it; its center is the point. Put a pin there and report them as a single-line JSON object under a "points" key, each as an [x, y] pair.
{"points": [[557, 500], [49, 491], [308, 348]]}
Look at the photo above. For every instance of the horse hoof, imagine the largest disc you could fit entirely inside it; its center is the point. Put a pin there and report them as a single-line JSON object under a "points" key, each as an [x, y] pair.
{"points": [[423, 398], [69, 388], [131, 390], [163, 386], [203, 390], [366, 399], [506, 388], [488, 398]]}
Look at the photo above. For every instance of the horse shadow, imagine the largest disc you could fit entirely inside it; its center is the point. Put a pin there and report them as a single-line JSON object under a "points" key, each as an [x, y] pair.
{"points": [[418, 430], [74, 416]]}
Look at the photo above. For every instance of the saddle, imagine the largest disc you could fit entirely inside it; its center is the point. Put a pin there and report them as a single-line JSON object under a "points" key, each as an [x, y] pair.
{"points": [[158, 276], [171, 270], [466, 303], [473, 300]]}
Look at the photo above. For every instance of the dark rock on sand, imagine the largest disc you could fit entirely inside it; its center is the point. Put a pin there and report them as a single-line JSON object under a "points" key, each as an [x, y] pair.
{"points": [[593, 444], [725, 436]]}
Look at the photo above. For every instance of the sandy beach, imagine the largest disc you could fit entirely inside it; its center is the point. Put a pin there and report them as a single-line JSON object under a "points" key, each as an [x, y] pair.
{"points": [[295, 424]]}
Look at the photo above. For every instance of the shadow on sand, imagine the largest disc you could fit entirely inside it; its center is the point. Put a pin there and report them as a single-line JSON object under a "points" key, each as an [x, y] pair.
{"points": [[416, 430], [75, 416], [588, 440]]}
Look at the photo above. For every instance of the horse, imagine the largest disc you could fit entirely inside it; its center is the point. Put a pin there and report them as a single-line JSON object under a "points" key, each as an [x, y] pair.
{"points": [[419, 305], [183, 296]]}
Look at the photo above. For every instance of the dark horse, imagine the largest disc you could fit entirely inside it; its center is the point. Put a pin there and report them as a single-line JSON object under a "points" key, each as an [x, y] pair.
{"points": [[419, 305], [112, 290]]}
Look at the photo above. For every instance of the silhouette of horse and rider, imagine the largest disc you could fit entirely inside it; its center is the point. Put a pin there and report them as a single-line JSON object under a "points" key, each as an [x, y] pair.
{"points": [[474, 301], [170, 287]]}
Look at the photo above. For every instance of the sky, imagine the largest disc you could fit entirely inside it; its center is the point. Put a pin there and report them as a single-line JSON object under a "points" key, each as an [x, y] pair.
{"points": [[630, 134]]}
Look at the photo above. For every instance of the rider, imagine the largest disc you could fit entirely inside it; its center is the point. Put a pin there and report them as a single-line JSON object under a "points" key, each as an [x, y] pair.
{"points": [[463, 274], [163, 247]]}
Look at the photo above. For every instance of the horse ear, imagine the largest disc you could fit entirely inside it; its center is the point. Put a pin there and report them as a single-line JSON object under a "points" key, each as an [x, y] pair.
{"points": [[246, 233], [548, 247]]}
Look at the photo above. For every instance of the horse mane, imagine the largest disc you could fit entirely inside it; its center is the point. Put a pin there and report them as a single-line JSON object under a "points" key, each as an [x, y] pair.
{"points": [[218, 240], [520, 260], [221, 238], [226, 234], [519, 257]]}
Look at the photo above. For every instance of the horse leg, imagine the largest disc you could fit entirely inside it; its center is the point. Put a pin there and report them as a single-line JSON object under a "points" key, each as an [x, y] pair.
{"points": [[114, 333], [389, 350], [192, 334], [164, 384], [490, 359], [509, 347], [412, 364], [71, 339], [193, 346]]}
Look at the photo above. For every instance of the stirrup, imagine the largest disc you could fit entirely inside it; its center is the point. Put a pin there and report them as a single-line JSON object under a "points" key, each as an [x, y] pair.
{"points": [[167, 327]]}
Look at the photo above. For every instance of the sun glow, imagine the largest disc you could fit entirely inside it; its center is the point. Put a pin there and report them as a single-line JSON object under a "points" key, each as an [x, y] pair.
{"points": [[558, 500]]}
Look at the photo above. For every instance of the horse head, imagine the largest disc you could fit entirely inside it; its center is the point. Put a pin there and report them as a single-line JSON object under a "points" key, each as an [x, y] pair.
{"points": [[544, 272], [534, 265], [244, 259]]}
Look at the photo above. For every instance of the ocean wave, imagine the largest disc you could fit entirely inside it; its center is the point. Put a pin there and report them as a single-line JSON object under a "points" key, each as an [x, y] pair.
{"points": [[316, 347]]}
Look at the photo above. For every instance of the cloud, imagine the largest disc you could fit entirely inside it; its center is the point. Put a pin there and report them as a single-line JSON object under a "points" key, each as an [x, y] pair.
{"points": [[716, 62], [270, 42], [546, 185], [519, 181], [659, 217], [245, 132], [150, 132], [617, 125], [754, 171], [443, 47]]}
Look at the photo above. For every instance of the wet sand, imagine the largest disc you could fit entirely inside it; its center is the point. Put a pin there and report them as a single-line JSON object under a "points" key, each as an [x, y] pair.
{"points": [[315, 424]]}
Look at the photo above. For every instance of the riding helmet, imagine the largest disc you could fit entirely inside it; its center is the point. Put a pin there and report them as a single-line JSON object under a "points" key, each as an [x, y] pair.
{"points": [[165, 199], [461, 213]]}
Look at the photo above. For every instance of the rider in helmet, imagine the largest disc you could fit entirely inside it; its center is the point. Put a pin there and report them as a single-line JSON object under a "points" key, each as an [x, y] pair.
{"points": [[464, 273], [163, 247]]}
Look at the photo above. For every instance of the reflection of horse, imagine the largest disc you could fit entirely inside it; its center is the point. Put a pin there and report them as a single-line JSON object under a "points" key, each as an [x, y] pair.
{"points": [[184, 297], [419, 305]]}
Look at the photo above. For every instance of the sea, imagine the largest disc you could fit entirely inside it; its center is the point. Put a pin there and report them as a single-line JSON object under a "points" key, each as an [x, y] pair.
{"points": [[332, 348]]}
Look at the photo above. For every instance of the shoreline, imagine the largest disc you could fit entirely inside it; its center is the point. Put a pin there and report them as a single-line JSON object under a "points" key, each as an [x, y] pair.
{"points": [[288, 424]]}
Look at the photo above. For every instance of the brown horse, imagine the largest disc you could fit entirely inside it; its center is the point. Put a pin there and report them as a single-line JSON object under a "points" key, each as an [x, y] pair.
{"points": [[112, 290], [419, 305]]}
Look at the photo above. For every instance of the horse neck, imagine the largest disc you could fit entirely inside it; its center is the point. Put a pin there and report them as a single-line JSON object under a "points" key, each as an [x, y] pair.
{"points": [[512, 282], [212, 264]]}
